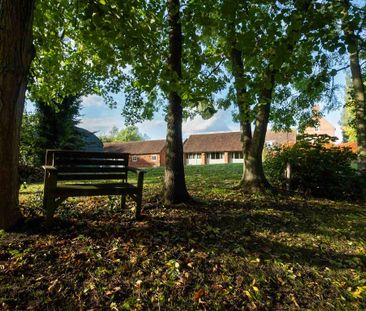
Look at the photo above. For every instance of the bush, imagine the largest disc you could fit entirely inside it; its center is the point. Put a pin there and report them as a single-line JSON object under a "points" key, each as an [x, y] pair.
{"points": [[317, 168], [30, 174], [29, 152]]}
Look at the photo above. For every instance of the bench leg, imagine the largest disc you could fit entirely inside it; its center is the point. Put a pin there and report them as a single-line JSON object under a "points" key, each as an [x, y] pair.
{"points": [[123, 201], [49, 205], [138, 206]]}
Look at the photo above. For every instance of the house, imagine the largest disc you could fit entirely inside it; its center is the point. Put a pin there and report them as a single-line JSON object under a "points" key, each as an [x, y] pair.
{"points": [[322, 127], [219, 148], [146, 153]]}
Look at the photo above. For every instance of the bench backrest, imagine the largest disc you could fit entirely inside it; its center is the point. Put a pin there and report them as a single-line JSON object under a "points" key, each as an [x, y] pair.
{"points": [[82, 165]]}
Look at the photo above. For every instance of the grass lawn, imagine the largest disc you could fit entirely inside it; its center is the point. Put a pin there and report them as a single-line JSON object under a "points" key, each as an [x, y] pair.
{"points": [[227, 252]]}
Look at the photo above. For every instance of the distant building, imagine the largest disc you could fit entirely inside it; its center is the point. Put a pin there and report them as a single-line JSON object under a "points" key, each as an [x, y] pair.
{"points": [[324, 127], [201, 149], [216, 148], [146, 153]]}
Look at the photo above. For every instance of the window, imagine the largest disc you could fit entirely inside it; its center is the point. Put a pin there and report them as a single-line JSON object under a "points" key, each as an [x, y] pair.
{"points": [[237, 155], [134, 158], [194, 156], [216, 155], [316, 128], [154, 157]]}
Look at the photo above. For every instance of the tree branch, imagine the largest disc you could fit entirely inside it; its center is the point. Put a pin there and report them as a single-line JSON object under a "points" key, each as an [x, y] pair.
{"points": [[217, 67]]}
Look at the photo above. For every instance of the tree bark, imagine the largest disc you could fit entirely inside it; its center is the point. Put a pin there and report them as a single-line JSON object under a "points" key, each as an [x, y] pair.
{"points": [[16, 54], [253, 178], [359, 89], [175, 190]]}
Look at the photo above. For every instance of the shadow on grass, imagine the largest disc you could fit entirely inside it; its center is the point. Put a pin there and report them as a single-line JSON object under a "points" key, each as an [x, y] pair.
{"points": [[237, 230]]}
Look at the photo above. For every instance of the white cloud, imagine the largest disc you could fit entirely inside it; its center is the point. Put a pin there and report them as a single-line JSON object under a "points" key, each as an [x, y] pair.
{"points": [[92, 101], [101, 125], [154, 129], [220, 122]]}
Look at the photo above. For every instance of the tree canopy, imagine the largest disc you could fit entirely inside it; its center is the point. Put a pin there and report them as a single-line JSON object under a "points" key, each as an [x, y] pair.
{"points": [[129, 133]]}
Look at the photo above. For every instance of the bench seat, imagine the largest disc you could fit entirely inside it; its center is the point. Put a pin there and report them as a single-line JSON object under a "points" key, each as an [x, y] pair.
{"points": [[79, 190]]}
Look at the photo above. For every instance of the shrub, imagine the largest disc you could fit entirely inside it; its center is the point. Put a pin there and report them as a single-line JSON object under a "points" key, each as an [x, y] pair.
{"points": [[30, 174], [317, 168], [28, 140]]}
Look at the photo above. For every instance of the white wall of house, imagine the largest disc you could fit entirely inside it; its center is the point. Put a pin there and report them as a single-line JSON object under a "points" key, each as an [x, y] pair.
{"points": [[193, 159], [236, 157], [215, 158], [236, 160]]}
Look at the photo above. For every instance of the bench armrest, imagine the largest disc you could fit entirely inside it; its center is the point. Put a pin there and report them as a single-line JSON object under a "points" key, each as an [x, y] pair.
{"points": [[136, 170], [49, 168], [140, 176]]}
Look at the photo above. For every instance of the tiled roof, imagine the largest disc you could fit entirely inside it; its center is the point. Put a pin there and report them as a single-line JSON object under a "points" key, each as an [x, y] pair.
{"points": [[220, 142], [136, 147]]}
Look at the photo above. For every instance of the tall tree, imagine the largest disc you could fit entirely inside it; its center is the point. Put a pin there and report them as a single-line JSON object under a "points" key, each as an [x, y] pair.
{"points": [[56, 125], [16, 54], [175, 186], [164, 71], [272, 56], [351, 25]]}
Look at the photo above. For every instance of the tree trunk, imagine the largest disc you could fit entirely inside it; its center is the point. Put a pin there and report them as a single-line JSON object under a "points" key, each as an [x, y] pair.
{"points": [[358, 86], [175, 190], [253, 178], [16, 54]]}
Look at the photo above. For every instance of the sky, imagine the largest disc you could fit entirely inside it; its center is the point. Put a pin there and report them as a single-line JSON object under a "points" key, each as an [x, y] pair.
{"points": [[99, 118]]}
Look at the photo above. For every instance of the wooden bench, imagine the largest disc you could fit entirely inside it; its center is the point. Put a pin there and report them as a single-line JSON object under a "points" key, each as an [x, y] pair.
{"points": [[76, 166]]}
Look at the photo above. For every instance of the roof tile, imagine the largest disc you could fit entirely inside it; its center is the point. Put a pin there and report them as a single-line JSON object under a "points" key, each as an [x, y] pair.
{"points": [[230, 141], [136, 147]]}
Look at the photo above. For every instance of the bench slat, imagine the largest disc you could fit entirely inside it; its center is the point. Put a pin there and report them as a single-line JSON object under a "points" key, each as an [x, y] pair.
{"points": [[91, 176], [87, 154], [91, 169], [94, 189], [90, 161]]}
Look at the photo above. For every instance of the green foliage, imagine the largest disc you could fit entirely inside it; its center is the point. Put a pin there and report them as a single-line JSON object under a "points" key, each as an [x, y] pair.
{"points": [[129, 133], [56, 125], [64, 65], [281, 48], [317, 168], [29, 153], [348, 116], [29, 156], [348, 124], [52, 126]]}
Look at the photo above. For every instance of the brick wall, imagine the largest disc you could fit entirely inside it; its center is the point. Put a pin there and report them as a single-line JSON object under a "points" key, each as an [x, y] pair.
{"points": [[203, 158], [163, 157], [144, 160], [324, 128]]}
